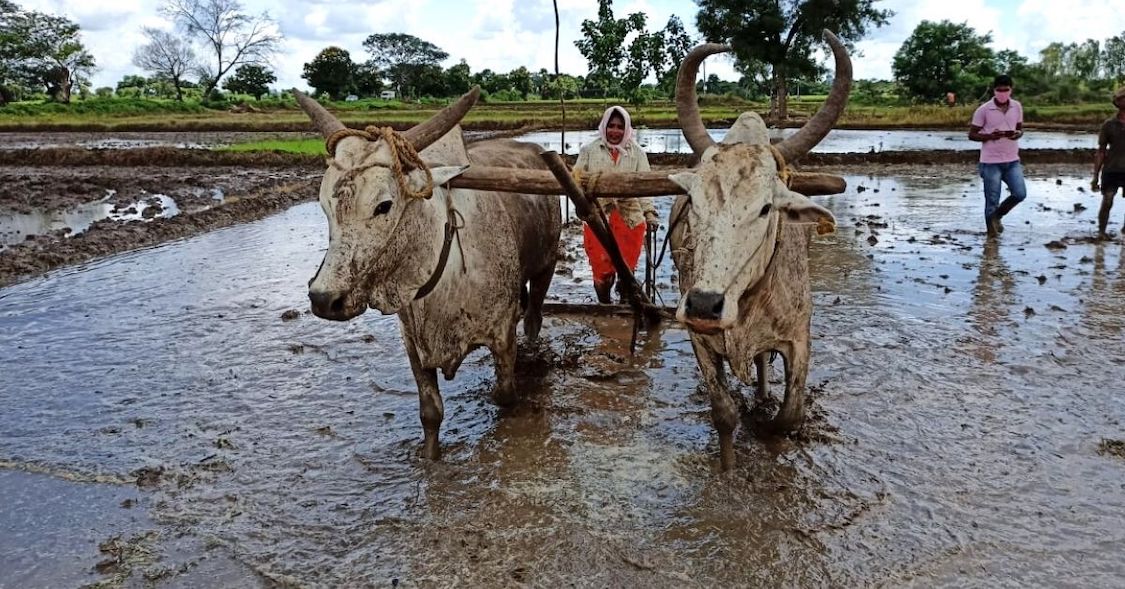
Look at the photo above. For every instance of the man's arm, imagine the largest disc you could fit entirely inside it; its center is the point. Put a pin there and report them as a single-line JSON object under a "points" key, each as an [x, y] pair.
{"points": [[1099, 158], [976, 135]]}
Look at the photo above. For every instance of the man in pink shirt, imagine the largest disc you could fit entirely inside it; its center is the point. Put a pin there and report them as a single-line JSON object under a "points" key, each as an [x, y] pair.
{"points": [[998, 125]]}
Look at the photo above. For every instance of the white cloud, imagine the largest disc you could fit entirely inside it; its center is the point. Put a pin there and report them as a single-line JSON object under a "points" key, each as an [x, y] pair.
{"points": [[505, 34]]}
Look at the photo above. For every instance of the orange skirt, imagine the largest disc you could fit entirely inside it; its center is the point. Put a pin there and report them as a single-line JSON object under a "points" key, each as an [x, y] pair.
{"points": [[630, 240]]}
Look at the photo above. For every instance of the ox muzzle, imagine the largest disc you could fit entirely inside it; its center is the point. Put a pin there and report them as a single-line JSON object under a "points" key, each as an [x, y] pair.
{"points": [[335, 306], [703, 311]]}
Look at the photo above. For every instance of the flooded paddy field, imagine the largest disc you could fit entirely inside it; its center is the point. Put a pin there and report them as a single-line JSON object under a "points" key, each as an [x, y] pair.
{"points": [[174, 417]]}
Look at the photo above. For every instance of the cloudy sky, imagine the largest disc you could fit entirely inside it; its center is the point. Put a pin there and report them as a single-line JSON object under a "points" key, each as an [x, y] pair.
{"points": [[505, 34]]}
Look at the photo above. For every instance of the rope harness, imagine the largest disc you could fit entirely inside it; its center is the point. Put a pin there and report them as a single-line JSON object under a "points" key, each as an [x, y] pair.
{"points": [[404, 159]]}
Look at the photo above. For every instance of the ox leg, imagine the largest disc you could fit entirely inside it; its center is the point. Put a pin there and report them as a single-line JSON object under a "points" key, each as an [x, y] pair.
{"points": [[792, 413], [533, 317], [431, 410], [504, 354], [724, 411], [762, 364]]}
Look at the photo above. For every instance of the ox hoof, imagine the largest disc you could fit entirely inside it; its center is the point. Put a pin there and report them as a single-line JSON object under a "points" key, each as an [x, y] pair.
{"points": [[505, 397], [431, 449]]}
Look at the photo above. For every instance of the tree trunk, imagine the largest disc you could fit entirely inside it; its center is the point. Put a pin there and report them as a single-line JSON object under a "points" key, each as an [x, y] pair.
{"points": [[779, 107]]}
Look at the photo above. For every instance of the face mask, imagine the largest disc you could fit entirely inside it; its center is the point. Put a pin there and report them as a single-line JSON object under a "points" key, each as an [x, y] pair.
{"points": [[1002, 95]]}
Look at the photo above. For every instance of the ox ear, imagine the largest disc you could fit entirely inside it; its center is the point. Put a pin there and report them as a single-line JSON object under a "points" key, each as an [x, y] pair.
{"points": [[443, 174], [799, 209], [686, 180]]}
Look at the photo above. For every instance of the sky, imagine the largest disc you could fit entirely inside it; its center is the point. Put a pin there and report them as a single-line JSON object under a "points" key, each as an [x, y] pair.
{"points": [[503, 35]]}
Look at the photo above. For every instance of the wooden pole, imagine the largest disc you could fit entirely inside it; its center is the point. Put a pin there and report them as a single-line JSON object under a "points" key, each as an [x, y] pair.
{"points": [[588, 212], [616, 184]]}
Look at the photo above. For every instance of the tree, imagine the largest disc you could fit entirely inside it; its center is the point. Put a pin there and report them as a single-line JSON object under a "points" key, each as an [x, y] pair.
{"points": [[458, 78], [403, 58], [942, 57], [331, 72], [233, 37], [783, 34], [367, 80], [519, 80], [1113, 57], [11, 49], [51, 54], [166, 56], [603, 46], [250, 79], [1085, 59]]}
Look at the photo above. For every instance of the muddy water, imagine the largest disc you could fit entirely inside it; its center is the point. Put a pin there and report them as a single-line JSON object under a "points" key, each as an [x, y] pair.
{"points": [[837, 141], [960, 393], [17, 226]]}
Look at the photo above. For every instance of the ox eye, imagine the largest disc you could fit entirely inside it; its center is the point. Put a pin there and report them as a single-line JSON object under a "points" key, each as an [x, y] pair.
{"points": [[765, 210], [382, 208]]}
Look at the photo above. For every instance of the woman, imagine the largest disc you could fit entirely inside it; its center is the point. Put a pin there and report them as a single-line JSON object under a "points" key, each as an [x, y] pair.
{"points": [[615, 150]]}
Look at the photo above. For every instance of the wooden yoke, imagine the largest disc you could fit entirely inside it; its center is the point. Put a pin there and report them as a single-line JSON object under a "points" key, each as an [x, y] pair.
{"points": [[589, 212], [618, 184]]}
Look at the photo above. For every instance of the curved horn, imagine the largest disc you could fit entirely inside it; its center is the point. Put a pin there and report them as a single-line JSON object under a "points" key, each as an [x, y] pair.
{"points": [[821, 123], [323, 120], [424, 134], [687, 109]]}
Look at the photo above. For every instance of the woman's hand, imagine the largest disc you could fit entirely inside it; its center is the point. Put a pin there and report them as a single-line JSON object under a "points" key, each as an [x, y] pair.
{"points": [[652, 220]]}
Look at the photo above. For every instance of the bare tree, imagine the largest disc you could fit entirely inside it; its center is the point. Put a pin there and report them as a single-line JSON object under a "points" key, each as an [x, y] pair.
{"points": [[234, 37], [167, 56]]}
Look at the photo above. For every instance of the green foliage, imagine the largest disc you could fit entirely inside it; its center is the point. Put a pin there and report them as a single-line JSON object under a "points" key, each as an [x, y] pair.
{"points": [[778, 39], [331, 72], [945, 57], [44, 51], [250, 79], [105, 107], [603, 46], [404, 58]]}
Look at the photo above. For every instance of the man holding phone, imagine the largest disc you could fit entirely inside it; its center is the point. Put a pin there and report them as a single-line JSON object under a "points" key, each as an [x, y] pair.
{"points": [[998, 125]]}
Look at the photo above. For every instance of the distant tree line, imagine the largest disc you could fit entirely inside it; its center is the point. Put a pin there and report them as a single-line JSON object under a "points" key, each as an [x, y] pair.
{"points": [[210, 45], [941, 57]]}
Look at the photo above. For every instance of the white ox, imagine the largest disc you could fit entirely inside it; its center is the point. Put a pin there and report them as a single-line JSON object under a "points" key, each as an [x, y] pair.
{"points": [[459, 269], [740, 243]]}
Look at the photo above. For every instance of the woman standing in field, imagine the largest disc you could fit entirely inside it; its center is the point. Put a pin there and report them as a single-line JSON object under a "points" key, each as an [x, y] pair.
{"points": [[615, 150]]}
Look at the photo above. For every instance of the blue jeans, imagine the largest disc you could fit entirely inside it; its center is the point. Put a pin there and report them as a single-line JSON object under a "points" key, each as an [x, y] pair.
{"points": [[1011, 173]]}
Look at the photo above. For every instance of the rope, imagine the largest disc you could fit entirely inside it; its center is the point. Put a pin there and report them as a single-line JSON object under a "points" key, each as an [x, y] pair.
{"points": [[783, 171], [404, 158]]}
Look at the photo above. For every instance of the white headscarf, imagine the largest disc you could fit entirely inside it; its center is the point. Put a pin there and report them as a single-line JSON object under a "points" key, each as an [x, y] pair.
{"points": [[627, 138]]}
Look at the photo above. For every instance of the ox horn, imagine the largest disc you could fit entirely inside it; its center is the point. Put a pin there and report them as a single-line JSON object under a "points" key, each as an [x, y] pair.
{"points": [[687, 107], [323, 120], [821, 123], [424, 134]]}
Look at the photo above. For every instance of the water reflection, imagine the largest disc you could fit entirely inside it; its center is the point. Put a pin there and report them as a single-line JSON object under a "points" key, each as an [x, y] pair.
{"points": [[17, 227], [837, 141], [993, 296]]}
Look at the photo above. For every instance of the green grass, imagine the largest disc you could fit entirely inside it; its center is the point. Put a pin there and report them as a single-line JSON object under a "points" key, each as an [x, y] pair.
{"points": [[283, 115], [302, 146]]}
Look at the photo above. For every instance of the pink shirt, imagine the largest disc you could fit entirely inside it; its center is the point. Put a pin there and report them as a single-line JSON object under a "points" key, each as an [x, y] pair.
{"points": [[990, 118]]}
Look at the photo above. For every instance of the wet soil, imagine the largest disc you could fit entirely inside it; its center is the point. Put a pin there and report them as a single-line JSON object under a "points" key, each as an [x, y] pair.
{"points": [[964, 402], [206, 198], [250, 185]]}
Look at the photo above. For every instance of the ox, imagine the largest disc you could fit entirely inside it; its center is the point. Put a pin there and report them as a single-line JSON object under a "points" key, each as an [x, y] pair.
{"points": [[458, 268], [740, 242]]}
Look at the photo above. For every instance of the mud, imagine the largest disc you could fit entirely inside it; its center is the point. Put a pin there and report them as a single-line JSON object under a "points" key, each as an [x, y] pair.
{"points": [[963, 395]]}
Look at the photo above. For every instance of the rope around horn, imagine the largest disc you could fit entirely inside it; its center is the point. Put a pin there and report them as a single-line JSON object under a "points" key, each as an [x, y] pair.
{"points": [[783, 171], [404, 158]]}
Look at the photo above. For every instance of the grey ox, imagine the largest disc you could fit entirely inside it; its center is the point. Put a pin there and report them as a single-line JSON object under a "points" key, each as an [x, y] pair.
{"points": [[740, 242], [459, 268]]}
